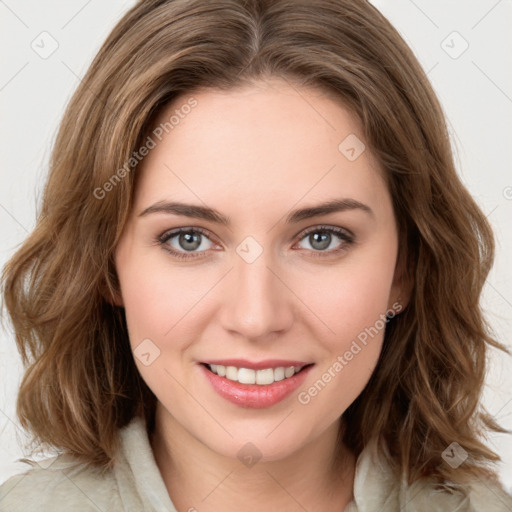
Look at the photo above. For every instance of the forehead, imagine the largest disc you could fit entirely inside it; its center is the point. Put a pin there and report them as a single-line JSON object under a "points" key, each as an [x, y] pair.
{"points": [[245, 145]]}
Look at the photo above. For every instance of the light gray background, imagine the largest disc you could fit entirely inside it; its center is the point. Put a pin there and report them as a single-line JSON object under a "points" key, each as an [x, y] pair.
{"points": [[475, 89]]}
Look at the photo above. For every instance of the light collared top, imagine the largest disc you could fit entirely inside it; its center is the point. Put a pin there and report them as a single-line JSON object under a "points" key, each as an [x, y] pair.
{"points": [[60, 484]]}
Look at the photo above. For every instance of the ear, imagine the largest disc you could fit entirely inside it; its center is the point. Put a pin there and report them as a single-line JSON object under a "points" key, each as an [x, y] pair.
{"points": [[403, 284]]}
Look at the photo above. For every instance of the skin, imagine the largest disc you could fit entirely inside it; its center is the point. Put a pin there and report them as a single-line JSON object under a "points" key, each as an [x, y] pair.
{"points": [[254, 154]]}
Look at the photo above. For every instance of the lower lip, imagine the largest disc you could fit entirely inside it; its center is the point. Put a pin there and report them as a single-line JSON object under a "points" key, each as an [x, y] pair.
{"points": [[254, 395]]}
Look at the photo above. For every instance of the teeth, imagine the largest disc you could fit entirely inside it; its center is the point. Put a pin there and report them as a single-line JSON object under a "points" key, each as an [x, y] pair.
{"points": [[231, 373], [246, 376], [264, 377], [288, 372], [261, 377], [279, 373]]}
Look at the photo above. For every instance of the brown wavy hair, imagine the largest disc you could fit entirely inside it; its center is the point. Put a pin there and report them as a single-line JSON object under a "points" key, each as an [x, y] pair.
{"points": [[81, 384]]}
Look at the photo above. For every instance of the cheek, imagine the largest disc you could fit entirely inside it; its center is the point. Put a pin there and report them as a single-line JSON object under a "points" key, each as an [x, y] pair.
{"points": [[352, 302], [356, 313], [159, 299], [354, 296], [339, 382], [165, 312], [158, 309]]}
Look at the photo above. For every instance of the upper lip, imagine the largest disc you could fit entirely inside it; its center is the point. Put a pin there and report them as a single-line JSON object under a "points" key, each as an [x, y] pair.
{"points": [[257, 365]]}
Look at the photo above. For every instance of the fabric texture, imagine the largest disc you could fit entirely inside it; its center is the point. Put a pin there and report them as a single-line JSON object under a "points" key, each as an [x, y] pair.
{"points": [[60, 484]]}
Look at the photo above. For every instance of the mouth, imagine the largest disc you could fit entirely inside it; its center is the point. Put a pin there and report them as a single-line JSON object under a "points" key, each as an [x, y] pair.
{"points": [[255, 387]]}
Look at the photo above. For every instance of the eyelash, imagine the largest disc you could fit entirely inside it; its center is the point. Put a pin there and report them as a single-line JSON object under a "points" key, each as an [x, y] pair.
{"points": [[346, 236]]}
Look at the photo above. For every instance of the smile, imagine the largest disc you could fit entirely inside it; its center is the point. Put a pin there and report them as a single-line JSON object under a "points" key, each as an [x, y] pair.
{"points": [[255, 387]]}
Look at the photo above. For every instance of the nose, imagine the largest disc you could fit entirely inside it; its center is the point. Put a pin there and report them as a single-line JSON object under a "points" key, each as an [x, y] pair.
{"points": [[256, 302]]}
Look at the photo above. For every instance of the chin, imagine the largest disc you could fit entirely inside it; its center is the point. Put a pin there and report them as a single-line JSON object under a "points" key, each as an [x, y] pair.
{"points": [[265, 446]]}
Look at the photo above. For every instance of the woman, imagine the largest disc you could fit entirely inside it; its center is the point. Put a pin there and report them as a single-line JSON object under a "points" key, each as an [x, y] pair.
{"points": [[255, 279]]}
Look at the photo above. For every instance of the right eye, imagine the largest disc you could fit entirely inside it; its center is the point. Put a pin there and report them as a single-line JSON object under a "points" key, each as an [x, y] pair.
{"points": [[185, 243]]}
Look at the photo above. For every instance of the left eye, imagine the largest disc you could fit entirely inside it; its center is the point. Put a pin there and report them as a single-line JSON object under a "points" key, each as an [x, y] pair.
{"points": [[321, 239]]}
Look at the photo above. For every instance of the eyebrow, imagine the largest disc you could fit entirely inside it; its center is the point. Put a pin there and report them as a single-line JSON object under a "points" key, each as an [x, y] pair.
{"points": [[212, 215]]}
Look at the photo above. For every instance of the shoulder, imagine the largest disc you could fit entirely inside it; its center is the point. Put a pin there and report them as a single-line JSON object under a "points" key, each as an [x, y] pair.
{"points": [[64, 483], [377, 487], [471, 497], [60, 484]]}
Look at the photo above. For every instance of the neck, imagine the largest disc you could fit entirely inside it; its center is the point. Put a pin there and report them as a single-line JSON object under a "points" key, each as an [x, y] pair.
{"points": [[197, 478]]}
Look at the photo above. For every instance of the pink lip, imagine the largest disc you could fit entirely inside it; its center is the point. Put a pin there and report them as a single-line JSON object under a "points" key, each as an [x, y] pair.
{"points": [[254, 395], [259, 365]]}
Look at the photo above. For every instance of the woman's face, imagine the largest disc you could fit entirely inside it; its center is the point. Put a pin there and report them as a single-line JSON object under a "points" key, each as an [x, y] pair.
{"points": [[264, 277]]}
